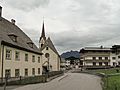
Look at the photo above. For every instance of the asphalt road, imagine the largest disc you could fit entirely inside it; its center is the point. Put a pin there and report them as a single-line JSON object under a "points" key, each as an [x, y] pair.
{"points": [[70, 81]]}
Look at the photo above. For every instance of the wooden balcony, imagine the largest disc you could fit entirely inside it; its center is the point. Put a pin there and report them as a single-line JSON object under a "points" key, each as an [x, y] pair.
{"points": [[91, 60]]}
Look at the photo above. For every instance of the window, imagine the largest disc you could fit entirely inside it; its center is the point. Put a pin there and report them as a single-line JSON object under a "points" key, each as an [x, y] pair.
{"points": [[119, 63], [26, 57], [119, 57], [100, 58], [38, 59], [33, 71], [31, 44], [33, 58], [106, 63], [8, 54], [94, 63], [114, 63], [17, 55], [17, 72], [94, 58], [47, 55], [41, 45], [100, 63], [13, 37], [106, 58], [26, 72], [113, 58], [47, 48], [38, 70], [7, 73]]}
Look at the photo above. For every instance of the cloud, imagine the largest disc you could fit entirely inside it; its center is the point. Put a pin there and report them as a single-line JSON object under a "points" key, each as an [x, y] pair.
{"points": [[27, 5], [71, 24]]}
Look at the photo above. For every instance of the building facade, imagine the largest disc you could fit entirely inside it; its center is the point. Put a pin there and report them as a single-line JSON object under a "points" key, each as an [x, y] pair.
{"points": [[95, 57], [115, 56], [51, 58], [19, 56]]}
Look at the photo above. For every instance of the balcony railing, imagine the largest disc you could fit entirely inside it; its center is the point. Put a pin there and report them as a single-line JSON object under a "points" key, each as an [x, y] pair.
{"points": [[97, 60]]}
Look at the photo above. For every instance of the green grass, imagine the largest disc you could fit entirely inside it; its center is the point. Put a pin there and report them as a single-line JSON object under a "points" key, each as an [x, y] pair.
{"points": [[106, 71], [111, 82]]}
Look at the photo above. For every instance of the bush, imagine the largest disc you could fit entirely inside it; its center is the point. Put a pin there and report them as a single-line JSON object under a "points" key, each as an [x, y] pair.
{"points": [[54, 73], [29, 80]]}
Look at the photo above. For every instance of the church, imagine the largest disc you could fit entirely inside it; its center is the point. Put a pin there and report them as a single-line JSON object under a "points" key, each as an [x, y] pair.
{"points": [[20, 57], [50, 58]]}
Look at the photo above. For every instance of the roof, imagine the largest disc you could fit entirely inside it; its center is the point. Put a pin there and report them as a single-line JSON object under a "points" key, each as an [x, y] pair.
{"points": [[43, 33], [6, 28], [49, 43], [96, 48]]}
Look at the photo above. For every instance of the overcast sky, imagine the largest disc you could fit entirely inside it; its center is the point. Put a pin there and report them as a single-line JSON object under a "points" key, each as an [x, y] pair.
{"points": [[71, 24]]}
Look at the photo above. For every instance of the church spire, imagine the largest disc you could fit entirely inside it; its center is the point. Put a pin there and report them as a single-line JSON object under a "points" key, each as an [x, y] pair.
{"points": [[43, 32]]}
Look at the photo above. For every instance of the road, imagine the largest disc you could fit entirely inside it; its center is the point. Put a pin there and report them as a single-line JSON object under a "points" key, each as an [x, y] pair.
{"points": [[70, 81]]}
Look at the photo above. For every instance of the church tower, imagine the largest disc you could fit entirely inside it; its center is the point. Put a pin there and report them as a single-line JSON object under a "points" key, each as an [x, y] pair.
{"points": [[42, 38]]}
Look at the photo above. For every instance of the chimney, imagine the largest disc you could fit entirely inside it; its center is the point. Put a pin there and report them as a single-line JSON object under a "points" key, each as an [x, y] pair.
{"points": [[13, 21], [101, 47], [0, 11]]}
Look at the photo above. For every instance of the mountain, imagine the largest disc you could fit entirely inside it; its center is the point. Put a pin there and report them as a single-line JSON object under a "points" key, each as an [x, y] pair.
{"points": [[70, 54]]}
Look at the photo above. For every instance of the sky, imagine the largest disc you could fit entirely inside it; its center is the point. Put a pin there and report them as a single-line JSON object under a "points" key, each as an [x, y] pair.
{"points": [[71, 24]]}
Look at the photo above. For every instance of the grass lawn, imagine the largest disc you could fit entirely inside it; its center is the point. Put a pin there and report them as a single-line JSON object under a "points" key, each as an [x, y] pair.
{"points": [[107, 71], [111, 82]]}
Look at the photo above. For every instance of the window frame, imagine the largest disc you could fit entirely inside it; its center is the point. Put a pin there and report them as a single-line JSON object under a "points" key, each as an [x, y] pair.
{"points": [[18, 57], [26, 57], [33, 58], [8, 54], [17, 74], [26, 72], [38, 59], [39, 70], [7, 72], [33, 71]]}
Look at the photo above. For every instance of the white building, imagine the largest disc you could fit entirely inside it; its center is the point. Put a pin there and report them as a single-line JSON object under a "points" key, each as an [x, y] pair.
{"points": [[95, 57], [63, 64], [19, 56], [51, 58], [115, 55]]}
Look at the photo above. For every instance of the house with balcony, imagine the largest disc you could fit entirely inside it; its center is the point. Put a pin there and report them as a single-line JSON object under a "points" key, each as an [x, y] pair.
{"points": [[115, 56], [95, 57]]}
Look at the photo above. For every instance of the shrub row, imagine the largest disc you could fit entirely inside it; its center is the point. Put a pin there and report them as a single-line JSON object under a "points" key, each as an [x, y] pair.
{"points": [[32, 79], [29, 80]]}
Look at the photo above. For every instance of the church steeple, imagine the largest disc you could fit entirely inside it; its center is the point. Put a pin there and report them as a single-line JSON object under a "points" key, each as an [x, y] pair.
{"points": [[43, 37], [43, 32]]}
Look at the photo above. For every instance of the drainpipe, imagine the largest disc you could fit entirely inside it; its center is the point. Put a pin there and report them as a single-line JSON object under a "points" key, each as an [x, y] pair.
{"points": [[2, 63]]}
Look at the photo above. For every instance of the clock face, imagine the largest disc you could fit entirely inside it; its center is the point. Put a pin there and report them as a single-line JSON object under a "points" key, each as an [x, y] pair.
{"points": [[47, 55]]}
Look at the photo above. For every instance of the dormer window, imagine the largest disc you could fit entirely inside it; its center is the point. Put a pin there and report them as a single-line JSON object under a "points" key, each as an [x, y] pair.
{"points": [[30, 44], [13, 37]]}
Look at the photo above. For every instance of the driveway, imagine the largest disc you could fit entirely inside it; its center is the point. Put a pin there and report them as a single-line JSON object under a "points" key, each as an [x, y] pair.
{"points": [[70, 81]]}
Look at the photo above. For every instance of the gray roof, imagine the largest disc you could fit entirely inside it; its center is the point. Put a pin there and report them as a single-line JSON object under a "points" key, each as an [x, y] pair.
{"points": [[96, 48], [49, 43], [7, 28]]}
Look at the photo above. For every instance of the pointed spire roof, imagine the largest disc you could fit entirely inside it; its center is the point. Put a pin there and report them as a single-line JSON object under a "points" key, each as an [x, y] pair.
{"points": [[50, 44], [43, 32]]}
